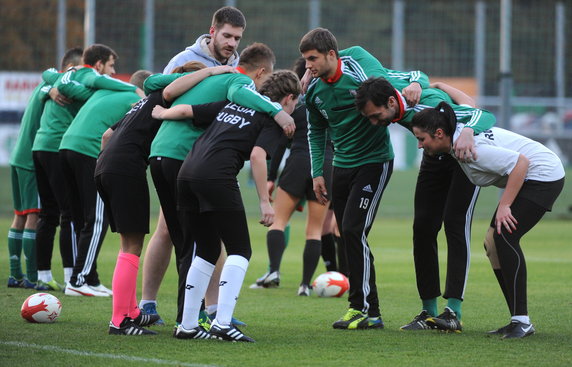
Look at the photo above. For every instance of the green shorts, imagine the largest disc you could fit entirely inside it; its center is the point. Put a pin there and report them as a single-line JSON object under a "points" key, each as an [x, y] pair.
{"points": [[24, 191]]}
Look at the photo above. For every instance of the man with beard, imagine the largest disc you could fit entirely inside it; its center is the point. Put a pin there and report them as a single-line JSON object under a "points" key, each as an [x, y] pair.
{"points": [[219, 46]]}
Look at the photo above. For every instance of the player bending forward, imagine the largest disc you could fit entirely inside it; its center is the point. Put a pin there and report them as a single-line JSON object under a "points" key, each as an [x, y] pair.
{"points": [[532, 176]]}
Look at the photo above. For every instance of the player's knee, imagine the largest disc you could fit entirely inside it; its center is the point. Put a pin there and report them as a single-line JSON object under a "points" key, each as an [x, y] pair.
{"points": [[491, 249], [51, 221], [454, 224], [31, 221], [208, 256], [162, 232], [246, 253], [425, 227], [19, 221], [349, 233]]}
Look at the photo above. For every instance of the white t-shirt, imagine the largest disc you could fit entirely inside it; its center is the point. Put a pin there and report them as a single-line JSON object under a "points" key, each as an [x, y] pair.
{"points": [[498, 151]]}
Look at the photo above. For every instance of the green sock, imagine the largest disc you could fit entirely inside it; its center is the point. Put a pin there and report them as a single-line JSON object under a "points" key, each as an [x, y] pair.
{"points": [[287, 234], [15, 251], [430, 305], [29, 245], [455, 305]]}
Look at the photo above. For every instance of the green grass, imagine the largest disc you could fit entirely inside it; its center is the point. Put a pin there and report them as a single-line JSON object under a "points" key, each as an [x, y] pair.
{"points": [[296, 331], [397, 201]]}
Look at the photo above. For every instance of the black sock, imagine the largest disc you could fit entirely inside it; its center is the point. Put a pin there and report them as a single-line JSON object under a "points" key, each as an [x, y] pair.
{"points": [[312, 252], [276, 244], [329, 252]]}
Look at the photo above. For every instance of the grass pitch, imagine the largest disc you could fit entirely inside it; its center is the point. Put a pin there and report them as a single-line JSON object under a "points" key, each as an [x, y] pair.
{"points": [[296, 331]]}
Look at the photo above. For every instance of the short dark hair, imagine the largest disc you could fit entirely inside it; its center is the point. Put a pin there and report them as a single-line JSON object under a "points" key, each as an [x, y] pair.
{"points": [[377, 90], [72, 56], [138, 78], [280, 84], [255, 56], [98, 52], [319, 39], [299, 67], [441, 117], [228, 15]]}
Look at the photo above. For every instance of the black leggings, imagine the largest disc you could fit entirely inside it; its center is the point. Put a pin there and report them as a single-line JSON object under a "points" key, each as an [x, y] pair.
{"points": [[443, 196], [164, 172], [510, 255], [209, 228], [55, 211]]}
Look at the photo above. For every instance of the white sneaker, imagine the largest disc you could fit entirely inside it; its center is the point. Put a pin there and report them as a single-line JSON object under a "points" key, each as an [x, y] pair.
{"points": [[304, 290], [268, 280], [101, 288], [83, 290]]}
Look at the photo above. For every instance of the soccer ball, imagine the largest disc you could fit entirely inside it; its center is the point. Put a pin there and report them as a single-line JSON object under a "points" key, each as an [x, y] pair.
{"points": [[330, 284], [41, 307]]}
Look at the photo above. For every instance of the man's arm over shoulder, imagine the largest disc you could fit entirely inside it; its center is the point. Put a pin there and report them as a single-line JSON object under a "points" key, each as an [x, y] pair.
{"points": [[50, 76], [73, 89], [475, 118], [93, 79], [242, 91], [159, 81], [362, 63]]}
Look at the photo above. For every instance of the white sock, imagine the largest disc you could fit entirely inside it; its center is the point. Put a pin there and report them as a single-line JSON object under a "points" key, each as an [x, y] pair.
{"points": [[231, 280], [198, 279], [211, 309], [45, 275], [521, 318], [68, 274], [143, 302]]}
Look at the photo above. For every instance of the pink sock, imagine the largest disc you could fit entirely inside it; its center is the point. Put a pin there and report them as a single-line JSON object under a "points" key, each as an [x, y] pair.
{"points": [[124, 286], [133, 307]]}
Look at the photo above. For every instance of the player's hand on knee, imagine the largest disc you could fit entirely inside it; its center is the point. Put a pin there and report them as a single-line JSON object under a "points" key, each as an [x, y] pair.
{"points": [[504, 218]]}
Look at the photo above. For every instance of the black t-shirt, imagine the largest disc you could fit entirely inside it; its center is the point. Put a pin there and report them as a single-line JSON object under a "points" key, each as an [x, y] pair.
{"points": [[127, 151], [220, 152], [298, 144], [300, 139]]}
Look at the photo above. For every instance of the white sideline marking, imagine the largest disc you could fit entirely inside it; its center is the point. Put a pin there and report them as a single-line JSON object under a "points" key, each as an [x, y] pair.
{"points": [[123, 357]]}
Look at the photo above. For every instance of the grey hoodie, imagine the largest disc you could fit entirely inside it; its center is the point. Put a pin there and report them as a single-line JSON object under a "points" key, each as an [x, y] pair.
{"points": [[199, 51]]}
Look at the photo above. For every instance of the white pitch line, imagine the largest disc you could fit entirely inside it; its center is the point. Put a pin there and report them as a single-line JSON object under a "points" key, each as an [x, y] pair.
{"points": [[122, 357]]}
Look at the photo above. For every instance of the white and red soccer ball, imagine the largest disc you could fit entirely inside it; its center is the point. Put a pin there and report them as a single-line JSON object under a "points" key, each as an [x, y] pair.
{"points": [[330, 284], [41, 307]]}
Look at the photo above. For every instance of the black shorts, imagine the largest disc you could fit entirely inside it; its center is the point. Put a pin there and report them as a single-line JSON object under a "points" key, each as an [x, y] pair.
{"points": [[542, 193], [296, 178], [126, 202], [205, 196]]}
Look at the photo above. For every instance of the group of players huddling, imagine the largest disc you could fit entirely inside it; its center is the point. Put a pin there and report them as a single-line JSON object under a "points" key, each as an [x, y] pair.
{"points": [[87, 139]]}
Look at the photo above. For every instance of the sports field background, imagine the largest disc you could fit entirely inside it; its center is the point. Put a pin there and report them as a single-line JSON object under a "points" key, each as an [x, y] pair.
{"points": [[296, 331], [397, 201]]}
